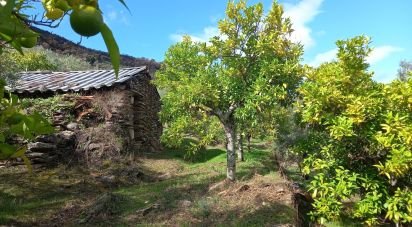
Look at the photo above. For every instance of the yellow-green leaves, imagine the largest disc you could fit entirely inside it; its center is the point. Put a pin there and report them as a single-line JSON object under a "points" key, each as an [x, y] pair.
{"points": [[367, 130], [112, 47], [15, 32], [13, 122], [247, 71], [399, 207]]}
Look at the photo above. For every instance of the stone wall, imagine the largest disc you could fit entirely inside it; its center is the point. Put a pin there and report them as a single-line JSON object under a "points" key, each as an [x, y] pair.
{"points": [[146, 107], [103, 124]]}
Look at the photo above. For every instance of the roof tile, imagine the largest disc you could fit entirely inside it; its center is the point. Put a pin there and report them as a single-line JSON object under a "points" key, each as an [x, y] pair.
{"points": [[72, 81]]}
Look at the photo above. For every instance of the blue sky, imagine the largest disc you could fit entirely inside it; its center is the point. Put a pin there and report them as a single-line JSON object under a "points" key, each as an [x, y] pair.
{"points": [[154, 25]]}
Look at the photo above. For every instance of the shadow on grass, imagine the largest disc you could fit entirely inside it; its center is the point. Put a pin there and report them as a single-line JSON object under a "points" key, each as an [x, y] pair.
{"points": [[27, 201], [41, 201], [169, 194], [272, 214], [256, 162], [205, 209], [183, 153]]}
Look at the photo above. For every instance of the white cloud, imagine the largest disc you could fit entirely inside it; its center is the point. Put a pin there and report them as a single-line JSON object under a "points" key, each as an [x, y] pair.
{"points": [[115, 16], [204, 36], [384, 77], [378, 54], [323, 57], [381, 52], [301, 14]]}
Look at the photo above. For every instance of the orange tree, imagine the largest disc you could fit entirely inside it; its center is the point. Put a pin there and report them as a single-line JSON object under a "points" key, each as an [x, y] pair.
{"points": [[251, 67], [85, 19], [359, 143]]}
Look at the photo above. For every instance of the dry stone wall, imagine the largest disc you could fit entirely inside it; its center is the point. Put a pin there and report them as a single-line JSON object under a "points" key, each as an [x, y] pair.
{"points": [[146, 107], [102, 124]]}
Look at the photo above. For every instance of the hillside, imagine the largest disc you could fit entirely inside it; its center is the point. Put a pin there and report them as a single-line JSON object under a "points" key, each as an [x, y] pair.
{"points": [[61, 45]]}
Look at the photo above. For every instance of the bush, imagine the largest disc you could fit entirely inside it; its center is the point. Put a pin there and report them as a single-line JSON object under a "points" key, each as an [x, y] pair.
{"points": [[359, 143]]}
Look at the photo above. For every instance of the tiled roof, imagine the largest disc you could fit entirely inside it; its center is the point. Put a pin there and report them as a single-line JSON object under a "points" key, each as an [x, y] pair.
{"points": [[72, 81]]}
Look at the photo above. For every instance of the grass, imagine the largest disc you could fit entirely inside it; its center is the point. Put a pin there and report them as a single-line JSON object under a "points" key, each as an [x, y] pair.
{"points": [[178, 192]]}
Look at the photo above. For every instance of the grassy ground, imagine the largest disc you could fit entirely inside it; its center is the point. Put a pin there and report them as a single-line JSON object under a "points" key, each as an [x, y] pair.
{"points": [[156, 189]]}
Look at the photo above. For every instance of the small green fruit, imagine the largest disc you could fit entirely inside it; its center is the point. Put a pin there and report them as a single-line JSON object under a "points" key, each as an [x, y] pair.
{"points": [[28, 42], [86, 20]]}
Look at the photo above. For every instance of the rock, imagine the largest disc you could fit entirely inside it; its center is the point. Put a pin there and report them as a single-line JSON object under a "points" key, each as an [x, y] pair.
{"points": [[33, 155], [94, 146], [72, 126], [66, 135], [185, 203], [41, 147], [107, 180], [47, 139]]}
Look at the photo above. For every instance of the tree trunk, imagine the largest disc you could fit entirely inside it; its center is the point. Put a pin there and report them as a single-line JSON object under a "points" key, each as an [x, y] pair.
{"points": [[240, 147], [230, 132], [248, 137]]}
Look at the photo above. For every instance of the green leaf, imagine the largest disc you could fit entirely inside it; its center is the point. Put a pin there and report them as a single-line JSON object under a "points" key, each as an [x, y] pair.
{"points": [[124, 4], [6, 151], [112, 47], [27, 163], [7, 9], [20, 152]]}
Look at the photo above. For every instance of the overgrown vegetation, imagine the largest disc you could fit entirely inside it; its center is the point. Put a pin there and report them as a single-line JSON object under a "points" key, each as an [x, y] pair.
{"points": [[14, 123], [156, 189], [358, 143], [48, 106]]}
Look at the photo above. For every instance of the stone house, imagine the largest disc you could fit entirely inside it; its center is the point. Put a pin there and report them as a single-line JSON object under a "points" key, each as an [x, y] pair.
{"points": [[106, 114]]}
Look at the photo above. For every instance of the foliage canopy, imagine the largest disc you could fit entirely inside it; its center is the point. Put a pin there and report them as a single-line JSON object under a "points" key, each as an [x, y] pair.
{"points": [[359, 139], [248, 69]]}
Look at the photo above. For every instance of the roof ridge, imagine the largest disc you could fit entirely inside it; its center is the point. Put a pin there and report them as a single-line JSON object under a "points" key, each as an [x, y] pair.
{"points": [[143, 67], [73, 80]]}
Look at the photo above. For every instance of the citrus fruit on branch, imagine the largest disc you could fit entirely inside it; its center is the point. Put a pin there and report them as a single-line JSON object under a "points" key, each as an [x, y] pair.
{"points": [[28, 42], [86, 20]]}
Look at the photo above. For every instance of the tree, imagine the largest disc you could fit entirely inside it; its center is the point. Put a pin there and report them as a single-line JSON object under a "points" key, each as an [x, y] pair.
{"points": [[12, 62], [65, 62], [249, 68], [85, 18], [405, 70], [359, 140]]}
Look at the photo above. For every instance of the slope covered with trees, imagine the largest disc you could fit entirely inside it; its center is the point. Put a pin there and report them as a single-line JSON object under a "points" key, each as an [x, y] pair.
{"points": [[96, 58]]}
